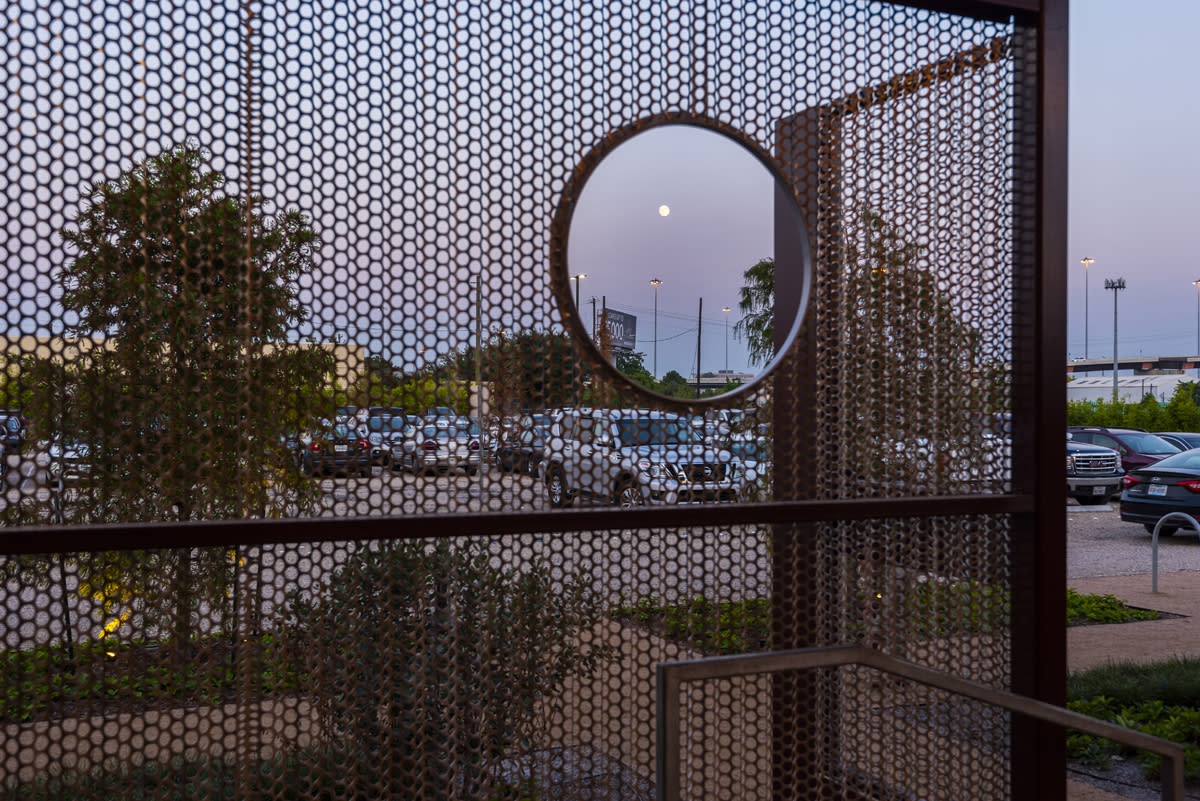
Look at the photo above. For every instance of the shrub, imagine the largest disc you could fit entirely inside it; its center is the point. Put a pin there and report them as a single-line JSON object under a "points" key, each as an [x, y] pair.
{"points": [[425, 664]]}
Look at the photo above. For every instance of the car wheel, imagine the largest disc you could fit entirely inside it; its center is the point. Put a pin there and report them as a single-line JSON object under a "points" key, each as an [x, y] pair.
{"points": [[556, 489], [472, 471], [628, 495], [1165, 531], [1092, 500]]}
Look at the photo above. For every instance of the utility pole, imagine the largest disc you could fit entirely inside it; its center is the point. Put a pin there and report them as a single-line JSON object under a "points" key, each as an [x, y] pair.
{"points": [[699, 325], [1116, 285], [656, 283]]}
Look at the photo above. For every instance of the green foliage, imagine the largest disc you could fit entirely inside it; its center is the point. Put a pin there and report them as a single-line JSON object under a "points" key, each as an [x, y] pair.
{"points": [[1180, 413], [633, 365], [1159, 698], [418, 653], [1085, 608], [726, 627], [757, 305], [44, 681], [300, 774]]}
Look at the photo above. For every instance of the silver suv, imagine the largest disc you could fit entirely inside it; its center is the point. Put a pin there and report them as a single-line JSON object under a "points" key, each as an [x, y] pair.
{"points": [[633, 457]]}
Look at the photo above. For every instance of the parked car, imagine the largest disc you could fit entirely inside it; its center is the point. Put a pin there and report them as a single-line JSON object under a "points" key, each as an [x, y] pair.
{"points": [[524, 453], [1184, 440], [1137, 448], [336, 449], [1093, 473], [1170, 485], [441, 449], [632, 457], [382, 430], [14, 429], [752, 458], [70, 461]]}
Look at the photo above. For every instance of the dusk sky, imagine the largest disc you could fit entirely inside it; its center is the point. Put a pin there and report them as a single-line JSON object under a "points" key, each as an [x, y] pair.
{"points": [[1134, 176]]}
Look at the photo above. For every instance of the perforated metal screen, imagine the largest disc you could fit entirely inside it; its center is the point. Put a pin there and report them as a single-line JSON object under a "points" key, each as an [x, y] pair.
{"points": [[299, 267]]}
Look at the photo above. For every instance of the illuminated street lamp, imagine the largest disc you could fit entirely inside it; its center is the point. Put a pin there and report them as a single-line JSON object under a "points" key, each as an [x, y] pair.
{"points": [[577, 278], [1116, 285], [656, 283], [1086, 262], [727, 310]]}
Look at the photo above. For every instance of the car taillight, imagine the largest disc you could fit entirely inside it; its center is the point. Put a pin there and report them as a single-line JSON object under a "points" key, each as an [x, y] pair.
{"points": [[1193, 485], [316, 446], [1129, 481], [430, 445], [474, 445], [363, 445]]}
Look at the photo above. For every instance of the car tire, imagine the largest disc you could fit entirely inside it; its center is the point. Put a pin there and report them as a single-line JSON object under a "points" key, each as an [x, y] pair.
{"points": [[1165, 531], [556, 489], [472, 470], [627, 495], [1092, 500]]}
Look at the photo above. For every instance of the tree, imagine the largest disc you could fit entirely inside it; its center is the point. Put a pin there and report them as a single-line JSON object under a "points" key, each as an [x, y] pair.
{"points": [[187, 397], [676, 386], [633, 365], [757, 304]]}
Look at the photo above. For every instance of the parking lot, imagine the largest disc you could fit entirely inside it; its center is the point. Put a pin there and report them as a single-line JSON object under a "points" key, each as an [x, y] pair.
{"points": [[1099, 544]]}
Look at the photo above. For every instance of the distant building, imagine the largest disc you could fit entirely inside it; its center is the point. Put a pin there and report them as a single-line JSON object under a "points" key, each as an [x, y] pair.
{"points": [[1130, 389], [720, 378]]}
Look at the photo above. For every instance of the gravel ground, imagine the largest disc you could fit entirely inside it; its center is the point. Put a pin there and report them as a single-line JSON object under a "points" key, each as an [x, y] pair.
{"points": [[1099, 544]]}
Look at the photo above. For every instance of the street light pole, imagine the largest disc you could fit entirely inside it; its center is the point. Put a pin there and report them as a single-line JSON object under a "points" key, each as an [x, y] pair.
{"points": [[577, 278], [1116, 285], [727, 310], [1197, 285], [656, 283], [1086, 262]]}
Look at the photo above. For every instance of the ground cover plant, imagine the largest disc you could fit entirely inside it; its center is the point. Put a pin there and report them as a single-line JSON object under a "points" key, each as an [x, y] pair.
{"points": [[1160, 698], [1087, 608]]}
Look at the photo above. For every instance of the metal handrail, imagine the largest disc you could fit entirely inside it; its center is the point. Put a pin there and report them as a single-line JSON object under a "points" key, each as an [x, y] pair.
{"points": [[670, 675], [1154, 542]]}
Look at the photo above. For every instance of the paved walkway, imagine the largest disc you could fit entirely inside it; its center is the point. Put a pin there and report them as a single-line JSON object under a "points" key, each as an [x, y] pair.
{"points": [[1144, 641]]}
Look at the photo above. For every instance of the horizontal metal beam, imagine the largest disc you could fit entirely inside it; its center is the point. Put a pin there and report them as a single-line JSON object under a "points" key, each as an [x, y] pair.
{"points": [[198, 534], [670, 675]]}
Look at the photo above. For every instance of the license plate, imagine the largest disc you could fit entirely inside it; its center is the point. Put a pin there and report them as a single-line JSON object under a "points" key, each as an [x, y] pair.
{"points": [[340, 448], [1157, 489], [1104, 490]]}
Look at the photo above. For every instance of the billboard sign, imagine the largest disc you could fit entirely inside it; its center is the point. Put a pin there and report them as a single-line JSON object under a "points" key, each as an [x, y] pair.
{"points": [[622, 328]]}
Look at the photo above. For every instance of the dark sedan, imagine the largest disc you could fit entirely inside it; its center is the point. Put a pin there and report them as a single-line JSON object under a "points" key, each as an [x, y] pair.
{"points": [[337, 450], [1170, 485], [524, 453], [1184, 440]]}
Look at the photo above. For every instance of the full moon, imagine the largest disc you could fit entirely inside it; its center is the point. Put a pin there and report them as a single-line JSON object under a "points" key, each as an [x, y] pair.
{"points": [[664, 210]]}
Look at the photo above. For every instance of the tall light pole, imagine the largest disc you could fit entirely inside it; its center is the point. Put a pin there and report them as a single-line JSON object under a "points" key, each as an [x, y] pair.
{"points": [[1196, 283], [727, 310], [1116, 285], [656, 283], [1087, 262], [577, 278]]}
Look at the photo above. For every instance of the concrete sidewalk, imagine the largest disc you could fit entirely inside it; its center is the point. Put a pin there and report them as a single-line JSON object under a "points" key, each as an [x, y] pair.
{"points": [[1143, 641]]}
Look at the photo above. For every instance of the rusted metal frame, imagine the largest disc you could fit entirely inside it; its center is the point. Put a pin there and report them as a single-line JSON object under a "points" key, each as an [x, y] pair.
{"points": [[202, 534], [671, 675], [995, 10], [1039, 665]]}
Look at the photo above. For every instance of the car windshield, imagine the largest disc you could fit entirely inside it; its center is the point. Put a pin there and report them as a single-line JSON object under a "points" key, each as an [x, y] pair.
{"points": [[654, 431], [340, 431], [1187, 460], [748, 450], [1148, 443]]}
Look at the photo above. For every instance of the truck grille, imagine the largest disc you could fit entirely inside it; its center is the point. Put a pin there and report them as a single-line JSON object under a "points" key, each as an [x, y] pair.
{"points": [[1095, 464], [699, 473]]}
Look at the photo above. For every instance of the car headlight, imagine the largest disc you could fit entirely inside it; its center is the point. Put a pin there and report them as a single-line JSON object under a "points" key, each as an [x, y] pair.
{"points": [[1070, 463]]}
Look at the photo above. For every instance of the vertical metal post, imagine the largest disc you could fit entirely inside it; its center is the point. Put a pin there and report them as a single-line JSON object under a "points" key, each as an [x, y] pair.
{"points": [[727, 310], [1196, 284], [699, 326], [1087, 262], [656, 283], [1116, 285]]}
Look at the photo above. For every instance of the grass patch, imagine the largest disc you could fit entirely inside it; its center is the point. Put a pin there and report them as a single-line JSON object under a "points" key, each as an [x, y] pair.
{"points": [[1161, 698], [62, 680]]}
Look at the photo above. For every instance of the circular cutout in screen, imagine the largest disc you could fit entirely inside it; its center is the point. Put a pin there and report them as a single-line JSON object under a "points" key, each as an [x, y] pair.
{"points": [[667, 250]]}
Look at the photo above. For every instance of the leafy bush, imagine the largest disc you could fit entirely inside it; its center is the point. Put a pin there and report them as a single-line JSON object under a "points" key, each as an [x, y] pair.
{"points": [[1161, 698], [425, 664], [729, 627]]}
